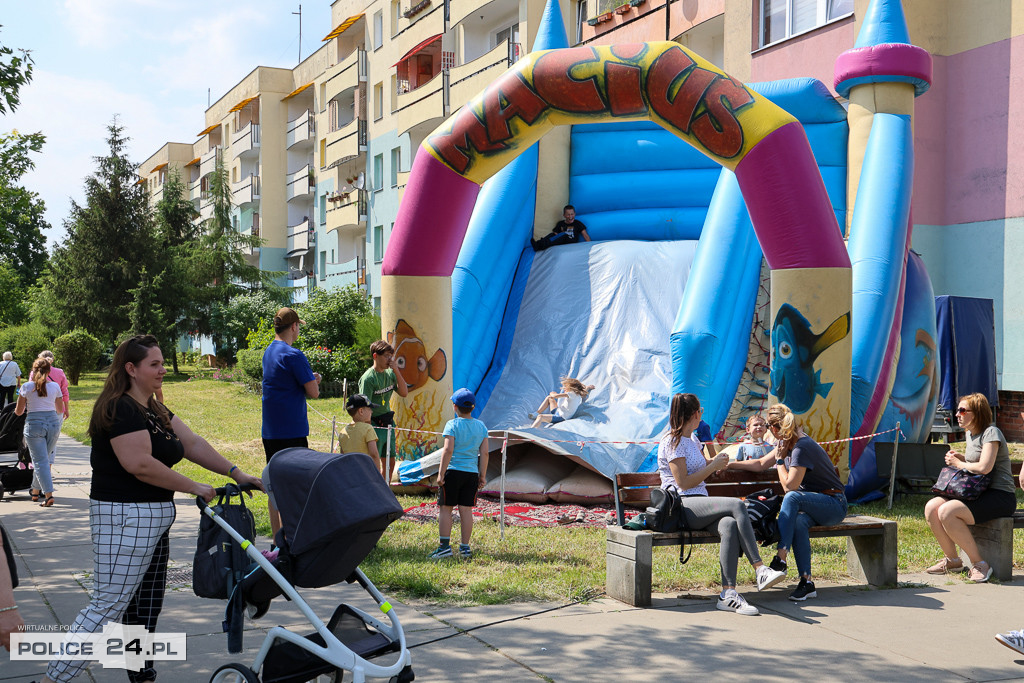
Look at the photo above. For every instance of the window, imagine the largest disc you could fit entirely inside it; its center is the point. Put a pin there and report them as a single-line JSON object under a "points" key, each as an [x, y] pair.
{"points": [[581, 19], [506, 34], [396, 162], [323, 209], [394, 94], [376, 305], [332, 116], [781, 19], [323, 264], [378, 243], [323, 152], [323, 96], [396, 13], [332, 256], [378, 172], [378, 101], [378, 29]]}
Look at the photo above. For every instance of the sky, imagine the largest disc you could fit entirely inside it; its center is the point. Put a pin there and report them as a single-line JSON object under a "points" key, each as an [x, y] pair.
{"points": [[149, 62]]}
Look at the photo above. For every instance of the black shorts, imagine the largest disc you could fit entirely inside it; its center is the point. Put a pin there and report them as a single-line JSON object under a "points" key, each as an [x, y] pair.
{"points": [[992, 504], [271, 446], [459, 489]]}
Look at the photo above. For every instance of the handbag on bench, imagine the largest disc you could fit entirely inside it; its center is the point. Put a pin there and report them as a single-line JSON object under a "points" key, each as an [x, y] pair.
{"points": [[665, 514]]}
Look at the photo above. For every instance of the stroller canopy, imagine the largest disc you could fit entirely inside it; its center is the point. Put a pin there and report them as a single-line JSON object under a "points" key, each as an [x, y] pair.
{"points": [[327, 497]]}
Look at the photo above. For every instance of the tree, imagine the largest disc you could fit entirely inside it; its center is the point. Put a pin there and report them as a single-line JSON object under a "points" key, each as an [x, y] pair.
{"points": [[176, 294], [243, 313], [111, 242], [331, 316], [15, 72], [76, 351], [221, 263], [12, 297]]}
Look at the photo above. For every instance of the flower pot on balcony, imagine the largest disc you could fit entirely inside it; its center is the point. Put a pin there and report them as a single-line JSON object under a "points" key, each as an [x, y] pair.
{"points": [[623, 9], [607, 16]]}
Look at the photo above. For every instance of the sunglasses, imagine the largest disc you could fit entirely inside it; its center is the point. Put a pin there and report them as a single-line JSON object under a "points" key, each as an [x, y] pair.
{"points": [[961, 411]]}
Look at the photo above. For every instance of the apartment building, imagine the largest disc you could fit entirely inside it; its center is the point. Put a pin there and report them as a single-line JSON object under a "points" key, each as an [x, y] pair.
{"points": [[318, 155]]}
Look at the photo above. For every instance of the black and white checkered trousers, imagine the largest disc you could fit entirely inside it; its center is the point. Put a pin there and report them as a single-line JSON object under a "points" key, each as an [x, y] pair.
{"points": [[131, 547]]}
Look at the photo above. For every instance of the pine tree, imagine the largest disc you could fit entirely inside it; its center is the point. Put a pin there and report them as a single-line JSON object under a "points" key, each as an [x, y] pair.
{"points": [[179, 233], [111, 242]]}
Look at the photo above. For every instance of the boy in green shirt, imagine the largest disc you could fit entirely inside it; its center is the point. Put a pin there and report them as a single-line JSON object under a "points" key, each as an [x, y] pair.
{"points": [[378, 383]]}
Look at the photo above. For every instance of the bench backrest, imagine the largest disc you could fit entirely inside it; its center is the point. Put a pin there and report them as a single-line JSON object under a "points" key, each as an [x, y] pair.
{"points": [[634, 488]]}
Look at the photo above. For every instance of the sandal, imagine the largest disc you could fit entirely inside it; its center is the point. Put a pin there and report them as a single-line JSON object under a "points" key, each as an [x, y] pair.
{"points": [[35, 495], [566, 518], [580, 516], [48, 502]]}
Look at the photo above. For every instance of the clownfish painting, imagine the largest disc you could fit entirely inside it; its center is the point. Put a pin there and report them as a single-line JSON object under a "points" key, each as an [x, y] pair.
{"points": [[411, 357], [794, 349]]}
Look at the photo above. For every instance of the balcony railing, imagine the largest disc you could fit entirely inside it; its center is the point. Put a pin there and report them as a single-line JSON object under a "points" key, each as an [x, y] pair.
{"points": [[208, 162], [469, 79], [247, 191], [206, 208], [347, 73], [246, 140], [300, 129], [424, 106], [348, 212], [195, 191], [301, 184], [346, 143], [299, 238]]}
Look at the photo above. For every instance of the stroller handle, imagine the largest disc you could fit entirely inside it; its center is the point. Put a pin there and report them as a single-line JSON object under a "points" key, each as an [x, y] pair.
{"points": [[228, 490]]}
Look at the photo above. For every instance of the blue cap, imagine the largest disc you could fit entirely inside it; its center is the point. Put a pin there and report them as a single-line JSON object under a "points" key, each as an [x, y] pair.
{"points": [[464, 398]]}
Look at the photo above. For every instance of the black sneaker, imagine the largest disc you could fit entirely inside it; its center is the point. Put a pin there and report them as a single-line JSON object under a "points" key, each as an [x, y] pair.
{"points": [[803, 591], [778, 565]]}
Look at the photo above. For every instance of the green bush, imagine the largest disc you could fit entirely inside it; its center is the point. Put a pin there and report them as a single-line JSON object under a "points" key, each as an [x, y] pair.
{"points": [[241, 314], [250, 361], [25, 342], [331, 317], [76, 351]]}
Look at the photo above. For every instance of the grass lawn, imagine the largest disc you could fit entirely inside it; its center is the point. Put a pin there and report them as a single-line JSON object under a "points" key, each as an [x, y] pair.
{"points": [[559, 563]]}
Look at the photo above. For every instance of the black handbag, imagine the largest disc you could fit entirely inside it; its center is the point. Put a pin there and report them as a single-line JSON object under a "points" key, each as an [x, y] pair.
{"points": [[665, 514], [219, 562], [954, 482]]}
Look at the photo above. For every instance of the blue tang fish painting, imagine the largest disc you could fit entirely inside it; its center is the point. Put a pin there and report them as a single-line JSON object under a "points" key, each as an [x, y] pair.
{"points": [[795, 348]]}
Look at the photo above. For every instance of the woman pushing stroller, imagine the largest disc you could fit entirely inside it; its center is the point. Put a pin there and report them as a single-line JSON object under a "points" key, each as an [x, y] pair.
{"points": [[135, 442]]}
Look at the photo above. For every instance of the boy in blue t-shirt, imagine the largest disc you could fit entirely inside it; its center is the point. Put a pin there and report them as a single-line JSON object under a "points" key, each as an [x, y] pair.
{"points": [[463, 472]]}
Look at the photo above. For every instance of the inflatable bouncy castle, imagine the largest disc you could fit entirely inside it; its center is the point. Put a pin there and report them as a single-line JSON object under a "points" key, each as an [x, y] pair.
{"points": [[750, 245]]}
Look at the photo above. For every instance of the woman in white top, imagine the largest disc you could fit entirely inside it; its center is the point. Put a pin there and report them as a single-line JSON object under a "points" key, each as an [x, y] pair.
{"points": [[563, 406], [10, 379], [44, 403]]}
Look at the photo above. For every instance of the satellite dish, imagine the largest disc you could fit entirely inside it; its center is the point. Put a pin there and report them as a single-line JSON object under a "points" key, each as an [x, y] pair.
{"points": [[360, 181]]}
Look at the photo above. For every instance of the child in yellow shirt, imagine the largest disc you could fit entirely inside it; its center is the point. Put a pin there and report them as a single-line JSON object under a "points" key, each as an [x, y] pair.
{"points": [[359, 437]]}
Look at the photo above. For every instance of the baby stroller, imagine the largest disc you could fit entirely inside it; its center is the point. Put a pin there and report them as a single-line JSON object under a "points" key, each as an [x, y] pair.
{"points": [[334, 508], [17, 473]]}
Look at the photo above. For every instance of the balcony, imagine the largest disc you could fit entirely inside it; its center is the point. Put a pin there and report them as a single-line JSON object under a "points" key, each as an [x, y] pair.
{"points": [[347, 73], [423, 109], [346, 143], [301, 184], [469, 80], [348, 213], [206, 208], [300, 129], [246, 192], [195, 191], [415, 30], [298, 238], [208, 162], [246, 141]]}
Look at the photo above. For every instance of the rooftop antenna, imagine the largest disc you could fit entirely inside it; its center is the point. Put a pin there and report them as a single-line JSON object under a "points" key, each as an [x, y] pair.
{"points": [[300, 32], [207, 98]]}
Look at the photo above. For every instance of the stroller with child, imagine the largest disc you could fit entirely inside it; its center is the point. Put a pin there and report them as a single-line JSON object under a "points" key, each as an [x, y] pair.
{"points": [[334, 508], [17, 473]]}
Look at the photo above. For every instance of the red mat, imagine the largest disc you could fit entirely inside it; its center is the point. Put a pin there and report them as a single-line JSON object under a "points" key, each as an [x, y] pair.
{"points": [[519, 513]]}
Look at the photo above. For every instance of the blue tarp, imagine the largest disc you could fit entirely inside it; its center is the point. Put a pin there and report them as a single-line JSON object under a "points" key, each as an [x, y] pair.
{"points": [[967, 349]]}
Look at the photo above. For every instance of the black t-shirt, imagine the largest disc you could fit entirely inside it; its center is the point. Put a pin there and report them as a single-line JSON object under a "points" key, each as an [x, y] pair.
{"points": [[574, 231], [821, 473], [113, 483]]}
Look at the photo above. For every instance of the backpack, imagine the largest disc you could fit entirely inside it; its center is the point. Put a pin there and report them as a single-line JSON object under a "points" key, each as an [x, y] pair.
{"points": [[763, 510], [665, 514], [220, 563]]}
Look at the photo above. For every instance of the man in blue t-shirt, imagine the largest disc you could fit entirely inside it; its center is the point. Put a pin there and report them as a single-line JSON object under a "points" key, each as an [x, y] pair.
{"points": [[287, 381], [463, 472]]}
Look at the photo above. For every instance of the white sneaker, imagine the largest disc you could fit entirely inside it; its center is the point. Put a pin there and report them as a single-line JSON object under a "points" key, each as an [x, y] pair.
{"points": [[1013, 640], [734, 602], [768, 577]]}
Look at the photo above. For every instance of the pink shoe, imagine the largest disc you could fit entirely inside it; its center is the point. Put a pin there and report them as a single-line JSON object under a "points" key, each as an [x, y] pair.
{"points": [[946, 566], [980, 572], [270, 554]]}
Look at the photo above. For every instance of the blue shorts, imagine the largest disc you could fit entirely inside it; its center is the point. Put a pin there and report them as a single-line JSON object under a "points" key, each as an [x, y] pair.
{"points": [[555, 419]]}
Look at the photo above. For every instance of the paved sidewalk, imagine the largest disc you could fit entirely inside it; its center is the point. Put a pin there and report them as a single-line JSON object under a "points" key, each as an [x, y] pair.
{"points": [[931, 629]]}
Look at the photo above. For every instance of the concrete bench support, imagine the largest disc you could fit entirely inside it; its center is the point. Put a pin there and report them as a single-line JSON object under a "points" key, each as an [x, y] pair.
{"points": [[873, 558], [995, 543], [628, 566]]}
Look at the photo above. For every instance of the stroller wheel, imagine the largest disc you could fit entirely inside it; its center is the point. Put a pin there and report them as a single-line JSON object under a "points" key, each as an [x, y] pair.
{"points": [[234, 673], [404, 676], [1, 491]]}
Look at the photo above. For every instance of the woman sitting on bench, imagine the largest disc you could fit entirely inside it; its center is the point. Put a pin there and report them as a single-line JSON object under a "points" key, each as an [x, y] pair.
{"points": [[985, 452], [814, 492], [683, 468]]}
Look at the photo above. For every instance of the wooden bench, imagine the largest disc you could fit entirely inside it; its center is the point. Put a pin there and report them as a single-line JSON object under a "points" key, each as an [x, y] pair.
{"points": [[871, 542]]}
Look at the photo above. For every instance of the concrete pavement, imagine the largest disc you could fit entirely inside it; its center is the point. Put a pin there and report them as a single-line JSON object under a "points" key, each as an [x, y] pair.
{"points": [[928, 629]]}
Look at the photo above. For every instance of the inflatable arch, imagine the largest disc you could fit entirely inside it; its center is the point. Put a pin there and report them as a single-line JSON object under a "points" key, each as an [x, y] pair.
{"points": [[687, 95]]}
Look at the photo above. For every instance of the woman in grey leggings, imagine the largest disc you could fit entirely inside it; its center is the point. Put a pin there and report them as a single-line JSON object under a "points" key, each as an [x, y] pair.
{"points": [[683, 468]]}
